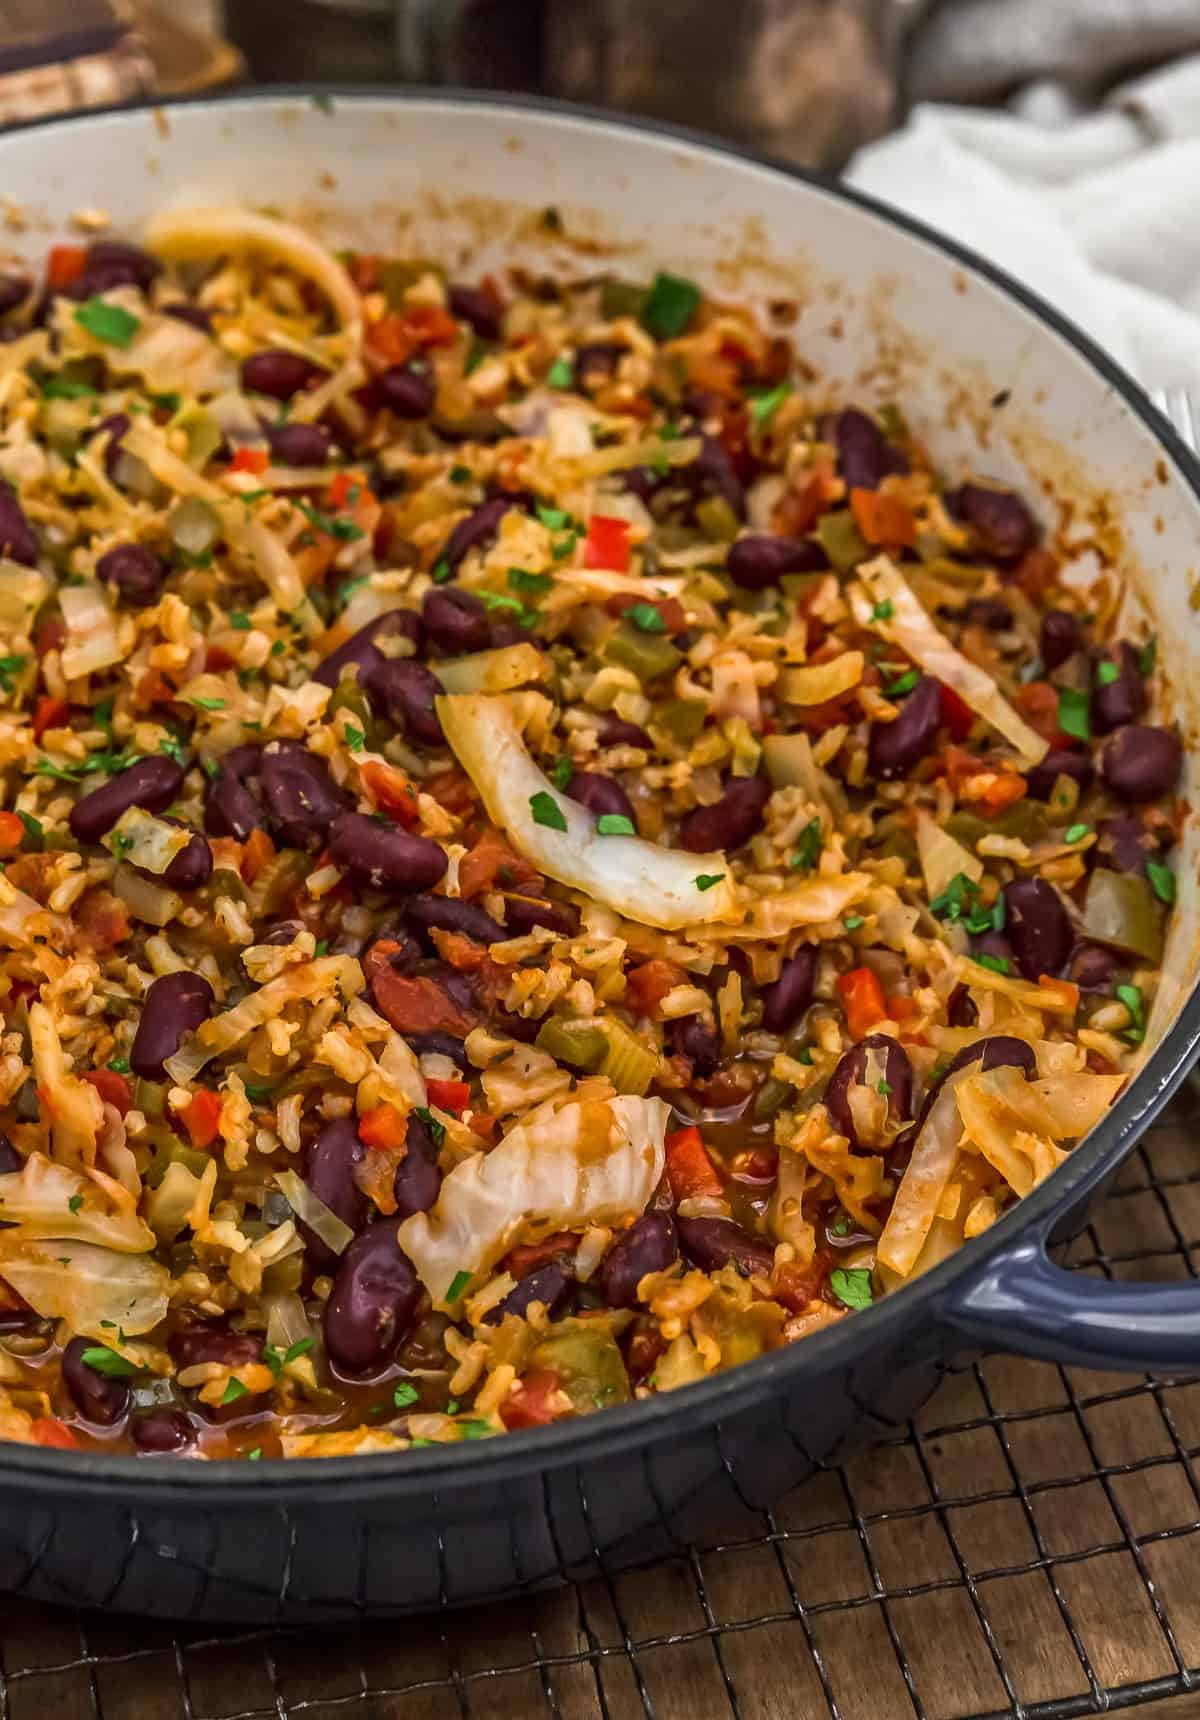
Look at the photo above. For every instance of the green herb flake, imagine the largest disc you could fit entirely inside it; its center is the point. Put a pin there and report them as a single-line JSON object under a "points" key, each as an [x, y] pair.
{"points": [[10, 666], [475, 357], [804, 1055], [354, 738], [1107, 672], [120, 843], [905, 684], [1077, 832], [437, 1131], [240, 622], [554, 519], [561, 373], [884, 1088], [808, 847], [956, 900], [853, 921], [75, 1202], [106, 1361], [118, 1065], [562, 772], [840, 1225], [405, 1394], [321, 948], [670, 306], [533, 584], [459, 474], [64, 388], [457, 1285], [851, 1286], [1131, 997], [705, 880], [998, 964], [546, 811], [111, 324], [764, 406], [565, 546], [172, 746], [476, 1429], [258, 1095], [1162, 880], [207, 704], [1074, 713], [883, 611], [254, 1456], [442, 571], [33, 829], [615, 824], [234, 1389], [1148, 655], [646, 618]]}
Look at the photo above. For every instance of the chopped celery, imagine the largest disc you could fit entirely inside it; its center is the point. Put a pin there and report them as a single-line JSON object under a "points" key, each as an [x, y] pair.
{"points": [[628, 1063], [1120, 909], [647, 655], [681, 718], [579, 1044], [717, 519]]}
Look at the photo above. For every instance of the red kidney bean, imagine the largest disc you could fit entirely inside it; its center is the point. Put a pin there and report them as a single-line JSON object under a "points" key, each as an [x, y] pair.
{"points": [[362, 648], [373, 1301], [195, 316], [475, 305], [1058, 762], [299, 444], [616, 732], [989, 612], [438, 1044], [711, 1243], [865, 456], [894, 748], [713, 470], [301, 796], [649, 1245], [137, 573], [97, 1397], [696, 1039], [329, 1173], [282, 932], [756, 561], [1039, 927], [995, 945], [203, 1341], [960, 1009], [596, 362], [175, 1005], [406, 693], [456, 621], [786, 999], [1061, 637], [117, 426], [600, 794], [1092, 968], [10, 1158], [14, 290], [408, 389], [892, 1058], [162, 1430], [385, 855], [1124, 845], [548, 1284], [523, 913], [1118, 701], [113, 263], [449, 914], [502, 633], [229, 807], [192, 866], [730, 821], [418, 1177], [475, 529], [1001, 522], [152, 783], [1140, 763], [18, 541], [996, 1051], [277, 373]]}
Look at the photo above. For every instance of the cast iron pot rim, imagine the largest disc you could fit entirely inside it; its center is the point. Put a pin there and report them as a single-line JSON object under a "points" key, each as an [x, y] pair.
{"points": [[629, 1427]]}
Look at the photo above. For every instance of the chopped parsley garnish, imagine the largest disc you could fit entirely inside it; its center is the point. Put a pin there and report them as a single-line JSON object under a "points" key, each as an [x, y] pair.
{"points": [[840, 1225], [1107, 672], [239, 622], [234, 1390], [998, 964], [474, 358], [957, 899], [476, 1429], [66, 388], [808, 847], [1148, 655], [905, 684], [354, 738], [670, 305], [804, 1055], [706, 880], [207, 704], [534, 584], [1077, 832], [254, 1456], [646, 617], [853, 921], [33, 829], [344, 530], [405, 1394], [106, 1361], [442, 571], [457, 1285], [1074, 716], [459, 474], [615, 824], [321, 948], [118, 1065], [509, 605], [562, 772], [211, 768], [437, 1131], [75, 1202], [452, 1406], [173, 746], [565, 546], [1162, 880], [763, 407], [851, 1286], [1131, 997], [883, 611], [277, 1360], [554, 519], [10, 666], [546, 811], [112, 324], [884, 1088], [560, 373], [347, 588]]}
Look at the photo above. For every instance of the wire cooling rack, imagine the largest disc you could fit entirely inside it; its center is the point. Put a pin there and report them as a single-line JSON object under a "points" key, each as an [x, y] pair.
{"points": [[1026, 1549]]}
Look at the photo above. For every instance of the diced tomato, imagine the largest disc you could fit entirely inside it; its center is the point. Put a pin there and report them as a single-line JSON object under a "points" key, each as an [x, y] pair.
{"points": [[250, 460], [796, 1286], [152, 689], [383, 1126], [883, 519], [414, 1005], [12, 833], [1038, 704], [862, 999], [689, 1167], [64, 265], [202, 1116], [526, 1259], [454, 790], [112, 1088], [674, 616], [607, 543], [492, 862], [956, 713], [257, 852], [1003, 790], [536, 1401], [483, 1124], [1035, 573], [798, 510], [48, 1430], [51, 635], [901, 1008], [647, 984], [49, 713], [431, 325], [448, 1095], [391, 791], [388, 340], [101, 920], [363, 270], [981, 784], [217, 659], [341, 486], [395, 337]]}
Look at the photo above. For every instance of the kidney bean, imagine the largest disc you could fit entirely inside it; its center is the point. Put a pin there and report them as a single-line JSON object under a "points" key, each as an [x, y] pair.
{"points": [[997, 1051], [277, 373], [1039, 927], [993, 944], [502, 633], [299, 444], [384, 855], [162, 1430], [1118, 701], [362, 648], [138, 574], [757, 561], [282, 932], [523, 913], [989, 612], [373, 1300], [892, 1058], [10, 1158], [329, 1173], [152, 783], [548, 1285], [475, 305], [456, 621], [1001, 522], [713, 470], [175, 1005], [865, 456], [95, 1395], [960, 1009], [448, 914], [1092, 968], [730, 821], [1061, 637], [649, 1245], [195, 316], [14, 290], [894, 748], [1124, 845], [192, 866], [439, 1044], [1058, 762], [418, 1177], [596, 362], [696, 1039], [408, 389], [405, 692], [600, 794], [204, 1341], [616, 732], [786, 999], [475, 529], [1139, 763], [711, 1243], [18, 540], [229, 807], [117, 425], [300, 794], [114, 263]]}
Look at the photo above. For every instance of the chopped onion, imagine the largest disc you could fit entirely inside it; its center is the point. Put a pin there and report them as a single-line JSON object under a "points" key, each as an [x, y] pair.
{"points": [[145, 899], [74, 1106], [942, 858], [287, 1323], [323, 1222], [1054, 997], [496, 671], [95, 1290], [145, 841], [568, 431], [23, 920], [174, 357], [735, 690], [655, 886], [169, 1206], [324, 978], [49, 1199], [815, 683], [1015, 1122], [815, 902], [23, 590], [924, 1181], [909, 626], [91, 641]]}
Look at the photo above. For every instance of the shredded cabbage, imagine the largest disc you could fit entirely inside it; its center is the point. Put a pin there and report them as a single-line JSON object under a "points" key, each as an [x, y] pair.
{"points": [[334, 1232], [91, 641], [74, 1106], [815, 683], [924, 1182], [96, 1291], [39, 1198], [1015, 1123], [145, 840], [496, 671], [942, 858], [24, 919]]}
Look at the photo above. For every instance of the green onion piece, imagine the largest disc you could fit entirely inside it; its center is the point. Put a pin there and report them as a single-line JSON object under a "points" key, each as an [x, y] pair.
{"points": [[614, 824], [998, 964], [457, 1285], [233, 1391], [763, 407], [705, 880], [560, 373], [1162, 880], [1077, 832], [106, 1361], [112, 324], [670, 307], [1074, 713], [404, 1394], [905, 684], [546, 811]]}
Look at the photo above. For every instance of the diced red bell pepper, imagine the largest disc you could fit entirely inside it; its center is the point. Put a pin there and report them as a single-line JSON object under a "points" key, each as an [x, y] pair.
{"points": [[862, 999], [448, 1095], [796, 1286], [341, 486], [607, 543], [647, 984], [537, 1401], [112, 1088], [49, 713], [391, 791], [257, 852], [483, 1124], [689, 1168], [202, 1116], [48, 1430], [956, 713], [383, 1126], [883, 519], [527, 1258], [64, 265], [250, 460], [12, 832]]}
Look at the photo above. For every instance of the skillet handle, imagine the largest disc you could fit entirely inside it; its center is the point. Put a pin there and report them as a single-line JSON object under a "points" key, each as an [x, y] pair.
{"points": [[1019, 1300]]}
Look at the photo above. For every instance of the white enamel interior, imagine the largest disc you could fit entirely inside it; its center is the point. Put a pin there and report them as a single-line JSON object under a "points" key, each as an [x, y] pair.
{"points": [[883, 314]]}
